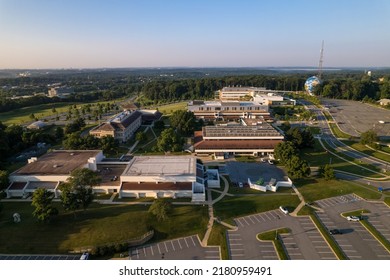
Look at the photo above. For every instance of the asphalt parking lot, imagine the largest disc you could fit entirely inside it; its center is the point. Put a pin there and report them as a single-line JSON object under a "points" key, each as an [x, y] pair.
{"points": [[355, 117], [241, 171], [186, 248], [355, 241], [304, 241]]}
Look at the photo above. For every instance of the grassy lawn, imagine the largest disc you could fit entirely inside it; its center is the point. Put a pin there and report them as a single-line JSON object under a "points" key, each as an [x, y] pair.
{"points": [[316, 189], [100, 224], [231, 207], [170, 108], [355, 213], [387, 201], [314, 130], [356, 168], [273, 235], [218, 238], [362, 148], [318, 156], [337, 132]]}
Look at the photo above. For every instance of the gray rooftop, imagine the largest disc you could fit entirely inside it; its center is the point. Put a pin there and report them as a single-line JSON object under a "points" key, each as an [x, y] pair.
{"points": [[161, 165]]}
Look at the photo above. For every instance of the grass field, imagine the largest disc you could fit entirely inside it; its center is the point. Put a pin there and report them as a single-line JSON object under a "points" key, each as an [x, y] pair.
{"points": [[316, 189], [19, 116], [231, 207], [170, 108], [362, 148], [218, 238], [337, 132], [318, 156], [100, 224]]}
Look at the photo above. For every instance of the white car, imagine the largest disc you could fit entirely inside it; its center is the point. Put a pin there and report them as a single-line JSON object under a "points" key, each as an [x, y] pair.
{"points": [[353, 218], [241, 185], [283, 209], [270, 161]]}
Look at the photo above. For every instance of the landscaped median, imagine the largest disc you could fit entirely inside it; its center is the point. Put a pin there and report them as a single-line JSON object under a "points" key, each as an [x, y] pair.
{"points": [[328, 238], [365, 222], [274, 237]]}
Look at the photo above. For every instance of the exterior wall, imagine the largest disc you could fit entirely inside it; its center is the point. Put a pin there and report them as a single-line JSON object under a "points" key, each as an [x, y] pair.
{"points": [[162, 178], [101, 133], [213, 183], [38, 178], [155, 193]]}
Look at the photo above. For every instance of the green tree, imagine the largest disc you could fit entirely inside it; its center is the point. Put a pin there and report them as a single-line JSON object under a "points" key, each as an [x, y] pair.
{"points": [[328, 172], [82, 182], [68, 198], [369, 137], [59, 133], [298, 168], [42, 201], [284, 151], [141, 136], [183, 121], [160, 125], [3, 179], [169, 141], [32, 116], [108, 144], [160, 208]]}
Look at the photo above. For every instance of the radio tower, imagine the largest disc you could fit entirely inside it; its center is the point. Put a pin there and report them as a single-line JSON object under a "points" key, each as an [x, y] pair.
{"points": [[321, 60]]}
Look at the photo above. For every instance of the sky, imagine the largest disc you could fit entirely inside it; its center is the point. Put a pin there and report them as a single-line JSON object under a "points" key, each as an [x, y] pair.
{"points": [[193, 33]]}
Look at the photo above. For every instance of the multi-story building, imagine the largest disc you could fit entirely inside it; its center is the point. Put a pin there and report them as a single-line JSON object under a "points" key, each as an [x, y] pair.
{"points": [[122, 126], [228, 110], [61, 92], [248, 93], [252, 137]]}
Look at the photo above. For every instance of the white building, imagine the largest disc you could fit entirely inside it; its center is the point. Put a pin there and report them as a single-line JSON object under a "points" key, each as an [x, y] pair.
{"points": [[61, 92], [246, 93], [164, 176], [50, 170]]}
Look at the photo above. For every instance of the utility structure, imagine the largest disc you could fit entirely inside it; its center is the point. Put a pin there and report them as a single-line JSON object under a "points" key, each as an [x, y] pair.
{"points": [[321, 60], [313, 81]]}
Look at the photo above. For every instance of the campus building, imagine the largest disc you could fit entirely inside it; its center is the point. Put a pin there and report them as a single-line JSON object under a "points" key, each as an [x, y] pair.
{"points": [[141, 176], [249, 93], [164, 176], [50, 170], [250, 138], [60, 92], [229, 110], [122, 126]]}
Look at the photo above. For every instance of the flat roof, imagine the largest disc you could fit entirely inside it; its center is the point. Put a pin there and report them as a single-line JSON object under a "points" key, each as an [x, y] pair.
{"points": [[161, 165], [179, 186], [261, 130], [108, 173], [59, 162]]}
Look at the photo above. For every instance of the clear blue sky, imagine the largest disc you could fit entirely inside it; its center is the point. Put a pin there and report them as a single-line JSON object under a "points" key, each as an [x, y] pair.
{"points": [[193, 33]]}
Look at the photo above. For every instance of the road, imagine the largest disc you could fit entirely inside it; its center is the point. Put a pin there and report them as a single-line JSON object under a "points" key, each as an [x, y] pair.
{"points": [[328, 137]]}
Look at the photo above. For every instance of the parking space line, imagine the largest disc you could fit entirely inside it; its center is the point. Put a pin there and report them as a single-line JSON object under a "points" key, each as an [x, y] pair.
{"points": [[166, 248], [144, 251], [137, 254], [185, 239], [238, 220], [178, 241], [265, 213], [255, 216], [151, 249], [246, 221], [273, 215], [158, 247], [251, 220], [173, 246], [193, 241], [261, 216]]}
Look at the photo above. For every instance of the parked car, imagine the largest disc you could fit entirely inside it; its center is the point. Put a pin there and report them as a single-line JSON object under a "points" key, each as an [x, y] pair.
{"points": [[283, 209], [335, 231], [240, 185], [270, 161], [84, 256], [354, 218]]}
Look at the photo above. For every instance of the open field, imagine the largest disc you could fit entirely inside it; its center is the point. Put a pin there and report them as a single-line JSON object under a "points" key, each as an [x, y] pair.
{"points": [[99, 225], [170, 108], [231, 207], [316, 189], [362, 148], [318, 156]]}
